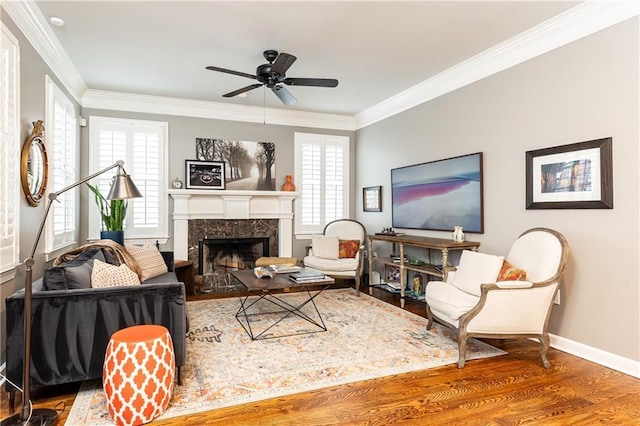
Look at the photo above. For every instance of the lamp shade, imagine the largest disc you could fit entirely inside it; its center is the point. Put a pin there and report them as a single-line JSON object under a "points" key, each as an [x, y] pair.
{"points": [[123, 188]]}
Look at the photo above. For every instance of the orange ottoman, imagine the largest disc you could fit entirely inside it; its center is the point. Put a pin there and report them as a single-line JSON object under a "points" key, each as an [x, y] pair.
{"points": [[138, 373]]}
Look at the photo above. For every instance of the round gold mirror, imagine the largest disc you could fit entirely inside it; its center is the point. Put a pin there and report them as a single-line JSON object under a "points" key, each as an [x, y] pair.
{"points": [[34, 169]]}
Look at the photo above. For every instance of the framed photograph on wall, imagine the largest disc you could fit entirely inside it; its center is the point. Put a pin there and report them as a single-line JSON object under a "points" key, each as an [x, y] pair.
{"points": [[446, 192], [372, 199], [248, 165], [574, 176], [204, 174]]}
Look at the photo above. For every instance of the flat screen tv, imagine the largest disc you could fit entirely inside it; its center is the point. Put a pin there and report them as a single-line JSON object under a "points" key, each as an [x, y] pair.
{"points": [[439, 195]]}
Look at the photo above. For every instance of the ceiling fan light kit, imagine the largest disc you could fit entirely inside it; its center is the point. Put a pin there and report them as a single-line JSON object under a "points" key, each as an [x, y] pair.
{"points": [[273, 75]]}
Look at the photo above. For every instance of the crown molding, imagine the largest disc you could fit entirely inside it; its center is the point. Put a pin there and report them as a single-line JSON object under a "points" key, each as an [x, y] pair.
{"points": [[585, 19], [132, 102], [29, 19]]}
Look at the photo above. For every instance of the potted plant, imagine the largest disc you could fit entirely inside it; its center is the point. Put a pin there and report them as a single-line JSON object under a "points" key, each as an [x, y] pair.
{"points": [[112, 214]]}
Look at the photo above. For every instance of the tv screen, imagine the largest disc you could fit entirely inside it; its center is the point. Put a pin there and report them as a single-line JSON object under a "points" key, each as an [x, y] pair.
{"points": [[439, 195]]}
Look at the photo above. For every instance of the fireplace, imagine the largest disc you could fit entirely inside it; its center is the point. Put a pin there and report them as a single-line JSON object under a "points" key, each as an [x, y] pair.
{"points": [[222, 255], [252, 231], [196, 214]]}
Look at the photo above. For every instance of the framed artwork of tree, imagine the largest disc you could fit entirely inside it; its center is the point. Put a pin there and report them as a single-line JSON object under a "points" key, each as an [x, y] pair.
{"points": [[248, 165]]}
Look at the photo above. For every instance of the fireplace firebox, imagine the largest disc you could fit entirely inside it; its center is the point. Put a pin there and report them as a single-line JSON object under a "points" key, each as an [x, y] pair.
{"points": [[221, 255]]}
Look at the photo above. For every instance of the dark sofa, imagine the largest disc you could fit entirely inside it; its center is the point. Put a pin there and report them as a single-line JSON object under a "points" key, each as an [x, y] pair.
{"points": [[70, 329]]}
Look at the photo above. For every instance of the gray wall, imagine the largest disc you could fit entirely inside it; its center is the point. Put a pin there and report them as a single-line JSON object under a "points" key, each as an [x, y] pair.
{"points": [[183, 132], [583, 91], [32, 107]]}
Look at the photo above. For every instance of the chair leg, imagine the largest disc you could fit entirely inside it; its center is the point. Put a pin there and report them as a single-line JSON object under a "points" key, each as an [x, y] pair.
{"points": [[429, 318], [357, 278], [462, 348], [544, 347]]}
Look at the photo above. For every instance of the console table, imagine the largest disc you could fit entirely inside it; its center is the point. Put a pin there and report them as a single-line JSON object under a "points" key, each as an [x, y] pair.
{"points": [[428, 243]]}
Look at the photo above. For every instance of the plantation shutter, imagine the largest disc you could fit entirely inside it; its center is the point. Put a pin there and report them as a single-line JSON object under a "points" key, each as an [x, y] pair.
{"points": [[145, 173], [321, 163], [9, 154], [142, 146], [60, 135]]}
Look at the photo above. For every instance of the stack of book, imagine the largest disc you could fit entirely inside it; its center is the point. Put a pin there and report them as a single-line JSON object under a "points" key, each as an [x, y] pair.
{"points": [[285, 269], [306, 275], [396, 258]]}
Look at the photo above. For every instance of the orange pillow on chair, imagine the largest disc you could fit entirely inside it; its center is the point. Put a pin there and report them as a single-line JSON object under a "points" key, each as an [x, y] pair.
{"points": [[511, 273], [348, 248]]}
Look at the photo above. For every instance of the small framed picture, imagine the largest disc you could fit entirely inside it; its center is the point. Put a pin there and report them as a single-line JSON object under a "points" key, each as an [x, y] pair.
{"points": [[372, 199], [205, 174], [392, 274]]}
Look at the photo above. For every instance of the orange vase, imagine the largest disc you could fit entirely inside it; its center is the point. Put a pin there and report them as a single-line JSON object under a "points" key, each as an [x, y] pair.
{"points": [[288, 185]]}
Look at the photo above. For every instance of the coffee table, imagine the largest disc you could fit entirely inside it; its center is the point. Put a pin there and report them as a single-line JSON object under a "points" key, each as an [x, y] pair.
{"points": [[247, 285]]}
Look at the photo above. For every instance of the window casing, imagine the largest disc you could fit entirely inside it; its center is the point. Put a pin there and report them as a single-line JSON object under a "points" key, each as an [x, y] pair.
{"points": [[143, 146], [61, 138], [322, 179], [9, 154]]}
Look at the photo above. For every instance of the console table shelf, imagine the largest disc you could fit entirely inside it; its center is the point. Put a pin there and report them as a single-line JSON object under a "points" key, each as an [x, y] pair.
{"points": [[427, 243]]}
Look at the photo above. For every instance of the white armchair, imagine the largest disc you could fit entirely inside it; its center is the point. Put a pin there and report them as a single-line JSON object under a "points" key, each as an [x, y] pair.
{"points": [[327, 252], [473, 300]]}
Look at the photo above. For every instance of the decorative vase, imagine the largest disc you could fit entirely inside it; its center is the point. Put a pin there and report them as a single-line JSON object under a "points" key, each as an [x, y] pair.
{"points": [[458, 235], [288, 185], [117, 236]]}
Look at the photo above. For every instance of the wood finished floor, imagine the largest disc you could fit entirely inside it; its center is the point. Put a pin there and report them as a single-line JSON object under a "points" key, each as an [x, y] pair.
{"points": [[508, 390]]}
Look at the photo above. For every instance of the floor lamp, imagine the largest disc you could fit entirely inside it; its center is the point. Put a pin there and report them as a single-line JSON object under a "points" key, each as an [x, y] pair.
{"points": [[122, 188]]}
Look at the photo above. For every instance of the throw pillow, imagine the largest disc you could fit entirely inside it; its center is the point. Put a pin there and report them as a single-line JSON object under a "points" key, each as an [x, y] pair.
{"points": [[325, 246], [348, 248], [475, 269], [511, 273], [73, 274], [106, 275], [149, 259]]}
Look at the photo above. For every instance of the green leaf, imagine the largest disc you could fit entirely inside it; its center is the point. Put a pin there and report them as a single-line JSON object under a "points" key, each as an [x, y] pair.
{"points": [[112, 212]]}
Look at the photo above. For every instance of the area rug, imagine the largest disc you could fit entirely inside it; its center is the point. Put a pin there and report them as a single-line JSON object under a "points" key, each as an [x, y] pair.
{"points": [[365, 338]]}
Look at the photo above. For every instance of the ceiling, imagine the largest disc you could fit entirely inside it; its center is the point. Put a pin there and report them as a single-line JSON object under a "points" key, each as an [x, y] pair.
{"points": [[375, 49]]}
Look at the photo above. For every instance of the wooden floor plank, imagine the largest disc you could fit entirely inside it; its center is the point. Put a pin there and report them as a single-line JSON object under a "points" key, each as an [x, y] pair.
{"points": [[513, 389]]}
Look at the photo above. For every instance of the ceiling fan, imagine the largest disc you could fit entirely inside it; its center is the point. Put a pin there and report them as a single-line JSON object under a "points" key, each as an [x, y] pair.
{"points": [[273, 75]]}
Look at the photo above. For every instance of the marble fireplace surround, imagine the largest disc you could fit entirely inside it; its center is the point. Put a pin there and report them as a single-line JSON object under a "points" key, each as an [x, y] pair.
{"points": [[191, 205]]}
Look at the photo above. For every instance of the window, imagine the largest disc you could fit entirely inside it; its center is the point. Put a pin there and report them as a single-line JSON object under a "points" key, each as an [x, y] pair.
{"points": [[9, 155], [321, 163], [61, 129], [143, 147]]}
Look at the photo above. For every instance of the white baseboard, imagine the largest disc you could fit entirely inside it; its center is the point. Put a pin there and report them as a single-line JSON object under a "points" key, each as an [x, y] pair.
{"points": [[607, 359]]}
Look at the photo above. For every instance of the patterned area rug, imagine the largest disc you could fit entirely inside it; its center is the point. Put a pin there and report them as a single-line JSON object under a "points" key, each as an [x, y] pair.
{"points": [[365, 338]]}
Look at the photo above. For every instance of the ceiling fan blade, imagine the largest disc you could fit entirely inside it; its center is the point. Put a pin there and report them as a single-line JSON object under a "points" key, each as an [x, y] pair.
{"points": [[241, 74], [317, 82], [285, 96], [244, 89], [282, 63]]}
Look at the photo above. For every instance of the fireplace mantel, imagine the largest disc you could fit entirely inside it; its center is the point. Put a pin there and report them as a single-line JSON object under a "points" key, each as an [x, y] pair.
{"points": [[191, 204]]}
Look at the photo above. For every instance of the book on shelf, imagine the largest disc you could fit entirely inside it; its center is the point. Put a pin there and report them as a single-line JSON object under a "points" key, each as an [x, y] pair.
{"points": [[390, 289], [395, 285], [396, 258]]}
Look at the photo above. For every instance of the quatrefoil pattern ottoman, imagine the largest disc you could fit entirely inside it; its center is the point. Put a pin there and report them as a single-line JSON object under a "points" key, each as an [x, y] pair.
{"points": [[138, 374]]}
